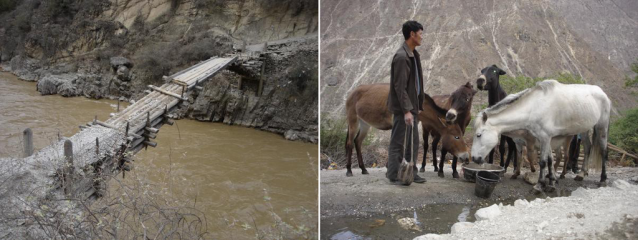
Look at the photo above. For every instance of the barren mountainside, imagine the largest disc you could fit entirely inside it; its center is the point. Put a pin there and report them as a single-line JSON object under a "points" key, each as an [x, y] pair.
{"points": [[595, 40]]}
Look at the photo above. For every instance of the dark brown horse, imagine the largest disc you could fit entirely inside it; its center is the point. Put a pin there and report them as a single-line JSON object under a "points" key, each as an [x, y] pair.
{"points": [[459, 107], [366, 106]]}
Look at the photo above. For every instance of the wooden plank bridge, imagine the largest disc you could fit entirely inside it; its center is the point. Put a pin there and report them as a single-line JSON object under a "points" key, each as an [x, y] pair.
{"points": [[78, 164], [141, 121]]}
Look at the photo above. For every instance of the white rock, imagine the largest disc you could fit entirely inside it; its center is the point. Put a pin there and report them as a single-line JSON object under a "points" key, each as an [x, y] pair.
{"points": [[461, 226], [621, 184], [580, 193], [541, 226], [429, 236], [521, 203], [487, 213], [409, 224], [531, 177]]}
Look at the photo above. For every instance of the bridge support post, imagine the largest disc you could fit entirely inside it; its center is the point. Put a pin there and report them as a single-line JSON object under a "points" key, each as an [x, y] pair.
{"points": [[263, 70], [27, 138], [69, 168]]}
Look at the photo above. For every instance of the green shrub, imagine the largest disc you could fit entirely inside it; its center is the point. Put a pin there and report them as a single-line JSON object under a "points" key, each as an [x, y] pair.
{"points": [[519, 83], [629, 82], [333, 134], [624, 131]]}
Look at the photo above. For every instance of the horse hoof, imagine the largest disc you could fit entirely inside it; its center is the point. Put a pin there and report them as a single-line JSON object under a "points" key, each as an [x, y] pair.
{"points": [[349, 174], [537, 189], [436, 169], [578, 178], [364, 171], [533, 170], [602, 184], [422, 169], [515, 176], [455, 175], [441, 174], [550, 189], [562, 177]]}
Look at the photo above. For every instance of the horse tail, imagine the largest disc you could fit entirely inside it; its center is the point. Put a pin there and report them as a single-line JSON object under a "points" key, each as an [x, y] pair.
{"points": [[599, 152]]}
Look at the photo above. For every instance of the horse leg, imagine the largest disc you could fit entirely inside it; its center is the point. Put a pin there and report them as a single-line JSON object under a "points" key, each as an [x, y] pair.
{"points": [[353, 130], [455, 174], [491, 157], [443, 153], [532, 155], [587, 145], [545, 156], [363, 132], [566, 161], [435, 142], [426, 136], [518, 160], [501, 149], [511, 149], [559, 158]]}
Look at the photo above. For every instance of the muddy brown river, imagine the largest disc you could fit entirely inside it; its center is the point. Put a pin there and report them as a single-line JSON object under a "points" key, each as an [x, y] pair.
{"points": [[240, 178]]}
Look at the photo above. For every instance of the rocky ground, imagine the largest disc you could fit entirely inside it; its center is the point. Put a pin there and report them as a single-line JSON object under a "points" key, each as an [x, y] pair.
{"points": [[371, 195], [603, 213]]}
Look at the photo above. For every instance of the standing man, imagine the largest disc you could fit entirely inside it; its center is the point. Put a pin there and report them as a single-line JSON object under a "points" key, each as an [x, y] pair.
{"points": [[405, 101]]}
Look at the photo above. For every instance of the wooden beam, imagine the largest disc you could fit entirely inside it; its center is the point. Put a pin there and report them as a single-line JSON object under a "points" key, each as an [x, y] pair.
{"points": [[167, 93]]}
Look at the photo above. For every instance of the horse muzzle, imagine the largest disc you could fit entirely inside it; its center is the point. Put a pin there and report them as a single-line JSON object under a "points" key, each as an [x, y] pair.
{"points": [[450, 117], [480, 83], [464, 157], [477, 160]]}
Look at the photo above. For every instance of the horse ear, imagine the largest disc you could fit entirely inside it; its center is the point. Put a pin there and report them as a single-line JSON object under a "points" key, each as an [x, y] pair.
{"points": [[484, 117], [494, 65], [442, 122], [474, 91], [501, 72]]}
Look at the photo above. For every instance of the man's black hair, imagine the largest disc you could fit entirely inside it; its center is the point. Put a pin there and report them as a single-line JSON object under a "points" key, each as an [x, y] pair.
{"points": [[411, 26]]}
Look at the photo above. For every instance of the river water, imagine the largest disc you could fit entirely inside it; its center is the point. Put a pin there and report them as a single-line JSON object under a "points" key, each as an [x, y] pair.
{"points": [[240, 178]]}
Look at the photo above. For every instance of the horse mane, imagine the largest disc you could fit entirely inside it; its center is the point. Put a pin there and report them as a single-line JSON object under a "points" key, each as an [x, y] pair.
{"points": [[512, 98], [430, 101]]}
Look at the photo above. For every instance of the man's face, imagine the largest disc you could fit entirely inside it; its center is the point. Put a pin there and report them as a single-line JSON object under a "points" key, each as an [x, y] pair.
{"points": [[416, 37]]}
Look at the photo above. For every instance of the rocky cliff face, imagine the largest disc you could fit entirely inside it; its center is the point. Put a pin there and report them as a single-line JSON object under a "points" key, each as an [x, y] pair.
{"points": [[116, 48], [591, 39]]}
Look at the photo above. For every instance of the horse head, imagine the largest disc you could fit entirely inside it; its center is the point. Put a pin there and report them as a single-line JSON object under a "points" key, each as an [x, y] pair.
{"points": [[485, 138], [461, 101], [489, 78], [453, 142]]}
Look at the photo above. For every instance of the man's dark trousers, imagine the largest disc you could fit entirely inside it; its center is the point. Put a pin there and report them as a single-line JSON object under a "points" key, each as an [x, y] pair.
{"points": [[397, 139]]}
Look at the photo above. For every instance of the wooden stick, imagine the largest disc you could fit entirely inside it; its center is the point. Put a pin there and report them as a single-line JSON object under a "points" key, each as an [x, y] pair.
{"points": [[149, 143], [27, 140], [103, 124]]}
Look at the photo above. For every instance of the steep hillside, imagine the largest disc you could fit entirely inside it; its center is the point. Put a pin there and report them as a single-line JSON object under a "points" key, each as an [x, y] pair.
{"points": [[590, 39], [116, 48]]}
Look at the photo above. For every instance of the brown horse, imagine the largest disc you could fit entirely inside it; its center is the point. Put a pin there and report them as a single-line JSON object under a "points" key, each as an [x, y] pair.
{"points": [[459, 107], [366, 106]]}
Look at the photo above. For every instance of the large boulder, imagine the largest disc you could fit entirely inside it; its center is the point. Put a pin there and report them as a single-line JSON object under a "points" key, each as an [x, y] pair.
{"points": [[64, 85]]}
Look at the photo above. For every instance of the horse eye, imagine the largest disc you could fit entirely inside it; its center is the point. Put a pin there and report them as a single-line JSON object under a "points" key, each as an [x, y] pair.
{"points": [[478, 135], [457, 137]]}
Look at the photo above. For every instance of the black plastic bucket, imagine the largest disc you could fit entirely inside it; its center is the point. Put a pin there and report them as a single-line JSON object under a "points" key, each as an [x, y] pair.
{"points": [[485, 183]]}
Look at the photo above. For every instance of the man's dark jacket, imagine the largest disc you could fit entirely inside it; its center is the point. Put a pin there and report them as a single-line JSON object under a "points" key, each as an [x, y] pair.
{"points": [[403, 94]]}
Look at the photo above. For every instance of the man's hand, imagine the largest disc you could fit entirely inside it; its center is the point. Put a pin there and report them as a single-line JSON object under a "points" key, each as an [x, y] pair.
{"points": [[409, 120]]}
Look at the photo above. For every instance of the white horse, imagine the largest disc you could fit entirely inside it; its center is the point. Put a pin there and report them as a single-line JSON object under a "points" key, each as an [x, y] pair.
{"points": [[548, 110]]}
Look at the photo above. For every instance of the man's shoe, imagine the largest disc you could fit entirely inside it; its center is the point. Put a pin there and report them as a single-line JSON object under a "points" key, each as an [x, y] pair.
{"points": [[418, 179]]}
